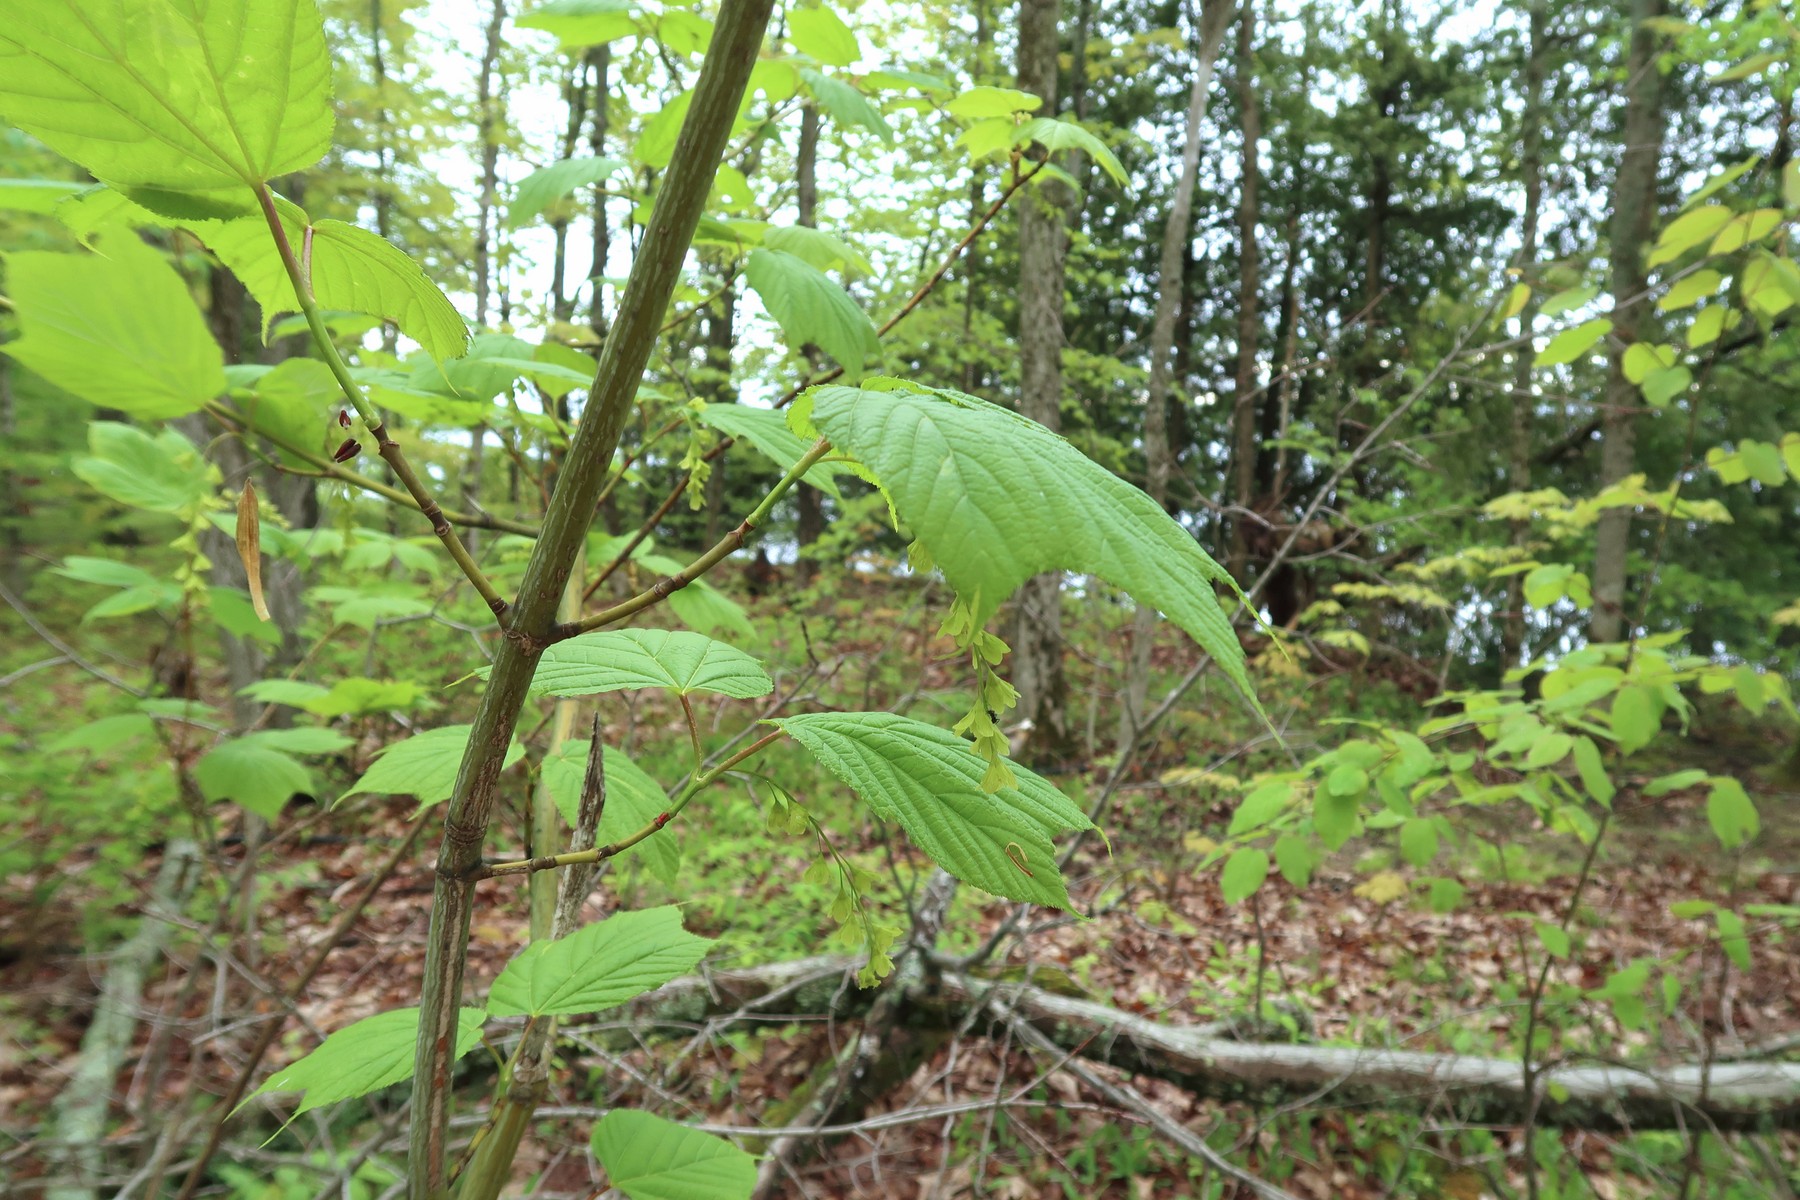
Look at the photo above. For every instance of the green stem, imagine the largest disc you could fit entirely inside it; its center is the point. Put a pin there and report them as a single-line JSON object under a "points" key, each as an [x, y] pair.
{"points": [[390, 450], [727, 545], [243, 424], [655, 269]]}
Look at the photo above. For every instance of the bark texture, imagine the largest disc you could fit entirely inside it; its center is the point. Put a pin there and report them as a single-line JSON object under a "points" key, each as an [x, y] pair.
{"points": [[1211, 1063], [1037, 640], [1641, 130], [1159, 456]]}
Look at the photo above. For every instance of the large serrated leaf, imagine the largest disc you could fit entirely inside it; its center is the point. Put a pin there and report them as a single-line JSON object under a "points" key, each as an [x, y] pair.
{"points": [[649, 1158], [995, 499], [364, 1057], [767, 430], [117, 328], [633, 800], [929, 781], [599, 966], [352, 270], [423, 765], [161, 97], [811, 308], [619, 660], [826, 251]]}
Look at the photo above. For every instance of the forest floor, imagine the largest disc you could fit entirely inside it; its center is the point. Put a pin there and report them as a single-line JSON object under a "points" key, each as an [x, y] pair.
{"points": [[1355, 957], [1364, 967]]}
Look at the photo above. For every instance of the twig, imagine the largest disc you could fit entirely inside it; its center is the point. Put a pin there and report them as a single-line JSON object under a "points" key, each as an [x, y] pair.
{"points": [[727, 545], [328, 469], [371, 416], [599, 854], [339, 929], [1133, 1101]]}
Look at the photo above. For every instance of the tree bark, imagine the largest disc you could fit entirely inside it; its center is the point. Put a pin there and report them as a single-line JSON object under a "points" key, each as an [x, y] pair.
{"points": [[488, 130], [1518, 470], [574, 90], [1634, 216], [601, 60], [1037, 640], [809, 499], [1209, 1063], [1244, 407], [1159, 458]]}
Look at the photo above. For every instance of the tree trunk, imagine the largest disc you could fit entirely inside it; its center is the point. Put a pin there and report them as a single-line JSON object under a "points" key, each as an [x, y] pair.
{"points": [[1037, 638], [574, 90], [809, 499], [1518, 472], [1158, 455], [488, 130], [601, 60], [715, 386], [1289, 337], [1633, 218], [1244, 408]]}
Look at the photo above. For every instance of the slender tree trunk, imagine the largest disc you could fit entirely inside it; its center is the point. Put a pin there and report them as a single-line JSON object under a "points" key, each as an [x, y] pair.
{"points": [[1244, 408], [1290, 344], [601, 61], [1037, 638], [12, 496], [715, 386], [574, 90], [488, 129], [384, 150], [809, 499], [1518, 471], [1158, 455], [1633, 218]]}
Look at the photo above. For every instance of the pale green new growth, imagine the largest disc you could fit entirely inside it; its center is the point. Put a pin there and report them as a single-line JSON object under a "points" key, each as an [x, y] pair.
{"points": [[618, 660], [598, 966], [926, 779], [365, 1057], [181, 104], [351, 269], [146, 352], [649, 1158], [633, 800], [423, 765]]}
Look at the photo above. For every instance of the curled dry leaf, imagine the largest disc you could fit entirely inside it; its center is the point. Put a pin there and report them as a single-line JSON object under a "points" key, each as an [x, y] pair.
{"points": [[249, 545]]}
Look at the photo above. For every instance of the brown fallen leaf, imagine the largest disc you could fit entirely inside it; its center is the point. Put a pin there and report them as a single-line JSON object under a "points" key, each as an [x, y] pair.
{"points": [[249, 545]]}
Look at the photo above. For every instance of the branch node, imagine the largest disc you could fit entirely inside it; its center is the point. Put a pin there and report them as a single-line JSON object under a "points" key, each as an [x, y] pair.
{"points": [[531, 646]]}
